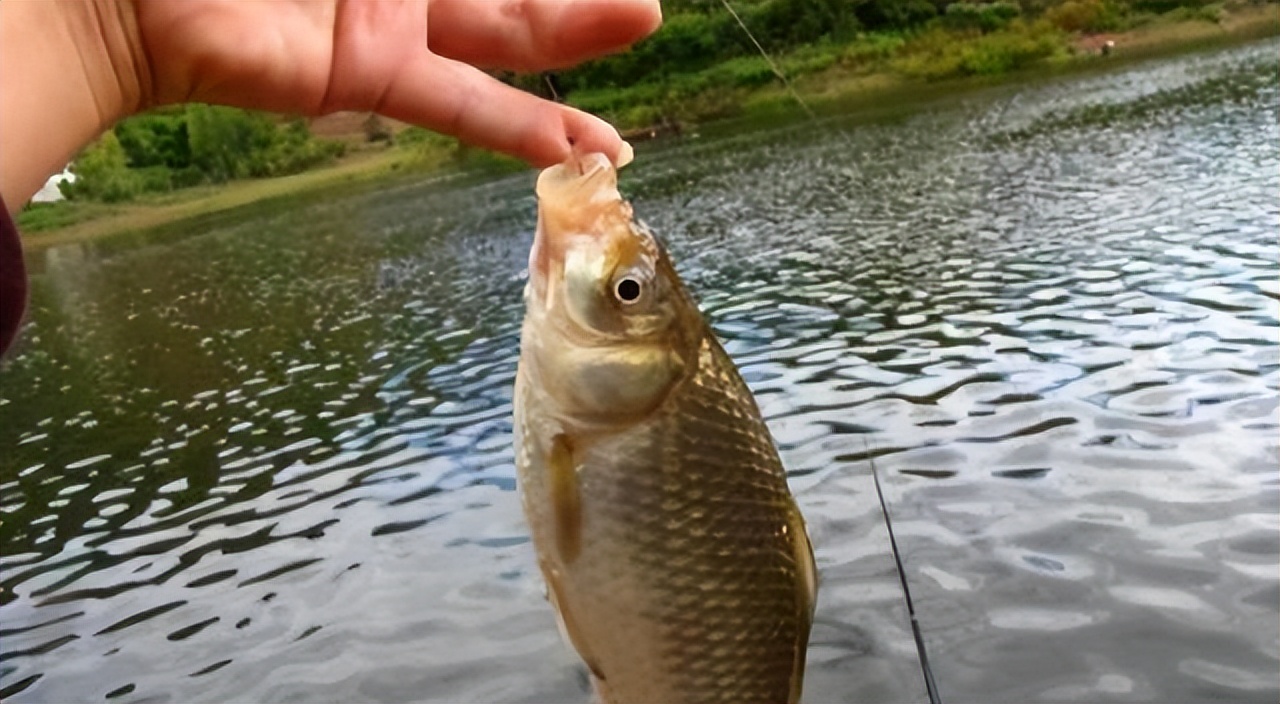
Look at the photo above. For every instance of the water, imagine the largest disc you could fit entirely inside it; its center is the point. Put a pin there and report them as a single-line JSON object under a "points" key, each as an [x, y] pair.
{"points": [[267, 458]]}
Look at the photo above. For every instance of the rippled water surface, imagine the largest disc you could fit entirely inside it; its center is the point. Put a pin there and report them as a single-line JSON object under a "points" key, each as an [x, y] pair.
{"points": [[268, 458]]}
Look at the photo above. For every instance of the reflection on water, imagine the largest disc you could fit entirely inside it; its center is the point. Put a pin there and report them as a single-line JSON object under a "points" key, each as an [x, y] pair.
{"points": [[270, 459]]}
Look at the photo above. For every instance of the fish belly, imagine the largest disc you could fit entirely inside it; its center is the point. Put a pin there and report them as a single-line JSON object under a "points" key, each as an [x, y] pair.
{"points": [[683, 582]]}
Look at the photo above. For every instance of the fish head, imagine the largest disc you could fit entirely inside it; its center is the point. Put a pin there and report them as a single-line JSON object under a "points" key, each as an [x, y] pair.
{"points": [[607, 324]]}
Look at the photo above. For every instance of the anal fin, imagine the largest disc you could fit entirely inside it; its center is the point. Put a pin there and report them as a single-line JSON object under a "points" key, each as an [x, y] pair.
{"points": [[806, 596]]}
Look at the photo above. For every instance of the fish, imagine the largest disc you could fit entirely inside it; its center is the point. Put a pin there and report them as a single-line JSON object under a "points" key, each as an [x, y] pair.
{"points": [[674, 554]]}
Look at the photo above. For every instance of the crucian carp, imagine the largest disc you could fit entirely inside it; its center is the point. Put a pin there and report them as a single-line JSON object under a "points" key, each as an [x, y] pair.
{"points": [[674, 554]]}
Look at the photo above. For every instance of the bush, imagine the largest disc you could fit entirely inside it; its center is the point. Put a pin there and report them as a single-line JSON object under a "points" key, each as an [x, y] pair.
{"points": [[640, 116], [696, 36], [811, 58], [182, 147], [985, 17], [938, 53], [1206, 13], [292, 149], [102, 173], [427, 148], [746, 72], [1162, 6], [153, 179], [871, 50], [227, 143], [895, 14], [1007, 51], [686, 42], [1084, 16], [782, 24], [156, 139], [609, 101]]}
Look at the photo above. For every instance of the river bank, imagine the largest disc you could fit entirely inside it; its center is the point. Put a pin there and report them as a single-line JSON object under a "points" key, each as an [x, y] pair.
{"points": [[1090, 52], [841, 85]]}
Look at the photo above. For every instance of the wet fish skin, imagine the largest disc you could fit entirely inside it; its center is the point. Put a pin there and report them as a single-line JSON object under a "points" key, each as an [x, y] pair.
{"points": [[674, 554]]}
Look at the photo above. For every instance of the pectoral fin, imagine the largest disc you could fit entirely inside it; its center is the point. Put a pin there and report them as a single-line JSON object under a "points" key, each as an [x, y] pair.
{"points": [[566, 500]]}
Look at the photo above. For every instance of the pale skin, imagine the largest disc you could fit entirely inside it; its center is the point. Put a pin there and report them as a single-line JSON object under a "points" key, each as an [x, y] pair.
{"points": [[70, 69]]}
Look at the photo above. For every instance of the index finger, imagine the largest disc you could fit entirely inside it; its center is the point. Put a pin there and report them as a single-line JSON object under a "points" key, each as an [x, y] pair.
{"points": [[454, 98], [537, 35]]}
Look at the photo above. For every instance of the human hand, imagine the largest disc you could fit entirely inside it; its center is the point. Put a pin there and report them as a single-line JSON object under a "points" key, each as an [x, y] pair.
{"points": [[73, 68], [413, 60]]}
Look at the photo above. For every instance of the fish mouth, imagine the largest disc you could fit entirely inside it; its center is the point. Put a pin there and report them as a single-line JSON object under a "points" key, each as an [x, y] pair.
{"points": [[577, 198]]}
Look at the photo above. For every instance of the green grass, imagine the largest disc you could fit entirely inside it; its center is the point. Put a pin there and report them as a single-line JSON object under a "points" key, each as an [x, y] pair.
{"points": [[39, 217], [937, 54]]}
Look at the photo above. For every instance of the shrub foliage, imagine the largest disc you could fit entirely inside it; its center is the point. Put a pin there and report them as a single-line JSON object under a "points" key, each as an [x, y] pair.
{"points": [[191, 145]]}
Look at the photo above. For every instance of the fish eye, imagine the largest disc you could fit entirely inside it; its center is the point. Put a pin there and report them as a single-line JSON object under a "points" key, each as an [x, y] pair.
{"points": [[627, 290]]}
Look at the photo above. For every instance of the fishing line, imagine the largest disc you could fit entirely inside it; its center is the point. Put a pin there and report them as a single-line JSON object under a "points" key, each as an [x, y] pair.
{"points": [[929, 683], [777, 70], [786, 83]]}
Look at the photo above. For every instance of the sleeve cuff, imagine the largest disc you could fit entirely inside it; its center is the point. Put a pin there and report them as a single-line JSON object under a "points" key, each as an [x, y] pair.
{"points": [[13, 280]]}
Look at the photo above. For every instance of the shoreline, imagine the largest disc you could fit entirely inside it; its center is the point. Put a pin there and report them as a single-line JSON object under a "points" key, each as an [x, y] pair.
{"points": [[869, 92], [833, 88]]}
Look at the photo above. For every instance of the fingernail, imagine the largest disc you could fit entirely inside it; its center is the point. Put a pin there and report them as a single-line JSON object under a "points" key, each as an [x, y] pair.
{"points": [[625, 155]]}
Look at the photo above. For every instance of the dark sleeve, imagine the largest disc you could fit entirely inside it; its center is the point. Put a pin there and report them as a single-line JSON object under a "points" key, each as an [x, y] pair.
{"points": [[13, 280]]}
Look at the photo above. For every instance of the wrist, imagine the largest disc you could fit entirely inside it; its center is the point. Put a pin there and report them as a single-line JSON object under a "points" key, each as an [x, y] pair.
{"points": [[69, 70]]}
